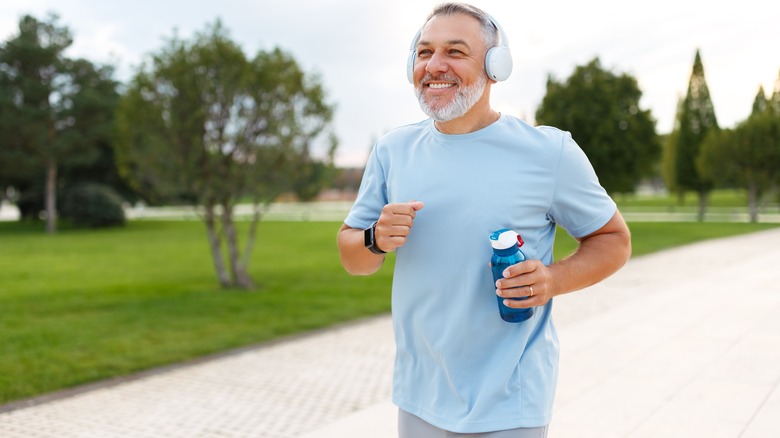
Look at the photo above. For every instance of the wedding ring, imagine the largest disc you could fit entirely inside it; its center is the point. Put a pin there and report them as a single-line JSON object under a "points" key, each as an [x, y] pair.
{"points": [[532, 291]]}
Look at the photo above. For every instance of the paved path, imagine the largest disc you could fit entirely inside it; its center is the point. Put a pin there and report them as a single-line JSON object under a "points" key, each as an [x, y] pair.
{"points": [[682, 343]]}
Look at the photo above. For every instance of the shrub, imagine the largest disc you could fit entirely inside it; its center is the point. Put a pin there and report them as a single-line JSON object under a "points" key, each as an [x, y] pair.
{"points": [[93, 205]]}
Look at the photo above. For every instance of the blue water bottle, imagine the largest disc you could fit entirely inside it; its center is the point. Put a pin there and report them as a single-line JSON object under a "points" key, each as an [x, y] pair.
{"points": [[506, 252]]}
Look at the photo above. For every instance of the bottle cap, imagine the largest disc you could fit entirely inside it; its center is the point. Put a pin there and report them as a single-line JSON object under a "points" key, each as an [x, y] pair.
{"points": [[505, 238]]}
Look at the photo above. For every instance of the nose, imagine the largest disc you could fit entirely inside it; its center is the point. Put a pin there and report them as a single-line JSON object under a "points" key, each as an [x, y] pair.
{"points": [[436, 64]]}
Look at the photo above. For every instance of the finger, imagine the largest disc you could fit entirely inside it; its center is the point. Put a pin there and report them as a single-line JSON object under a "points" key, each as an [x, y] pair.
{"points": [[517, 281], [406, 207], [516, 292], [397, 230], [521, 268], [391, 219], [522, 304]]}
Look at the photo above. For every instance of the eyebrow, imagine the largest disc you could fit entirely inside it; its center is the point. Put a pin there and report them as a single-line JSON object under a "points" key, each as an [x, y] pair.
{"points": [[449, 43]]}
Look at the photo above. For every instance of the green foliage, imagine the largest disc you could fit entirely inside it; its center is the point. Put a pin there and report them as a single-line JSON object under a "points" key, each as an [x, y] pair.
{"points": [[601, 110], [55, 110], [669, 153], [747, 156], [760, 103], [696, 118], [94, 206], [115, 301], [201, 122], [313, 175], [774, 102], [33, 90]]}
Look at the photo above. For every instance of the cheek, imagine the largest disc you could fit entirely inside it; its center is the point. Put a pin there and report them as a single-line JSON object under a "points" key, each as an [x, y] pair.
{"points": [[419, 72]]}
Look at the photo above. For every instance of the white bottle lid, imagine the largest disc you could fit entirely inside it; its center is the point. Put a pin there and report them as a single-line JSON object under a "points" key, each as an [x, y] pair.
{"points": [[503, 239]]}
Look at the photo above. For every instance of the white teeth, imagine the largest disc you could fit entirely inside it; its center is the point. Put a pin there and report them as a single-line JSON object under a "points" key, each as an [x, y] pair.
{"points": [[440, 85]]}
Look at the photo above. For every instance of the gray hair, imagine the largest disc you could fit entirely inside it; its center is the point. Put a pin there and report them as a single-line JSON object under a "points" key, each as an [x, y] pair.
{"points": [[489, 30]]}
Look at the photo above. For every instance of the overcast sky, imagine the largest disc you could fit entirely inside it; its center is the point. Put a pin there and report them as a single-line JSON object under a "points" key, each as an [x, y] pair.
{"points": [[359, 47]]}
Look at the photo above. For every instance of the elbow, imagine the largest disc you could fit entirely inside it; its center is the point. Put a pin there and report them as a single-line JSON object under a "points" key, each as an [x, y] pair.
{"points": [[626, 246], [359, 269], [350, 269]]}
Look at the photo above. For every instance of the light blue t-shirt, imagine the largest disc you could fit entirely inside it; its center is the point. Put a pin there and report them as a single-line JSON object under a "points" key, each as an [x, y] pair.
{"points": [[458, 365]]}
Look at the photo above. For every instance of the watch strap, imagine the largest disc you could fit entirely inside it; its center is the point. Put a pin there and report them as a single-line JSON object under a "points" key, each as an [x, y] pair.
{"points": [[370, 240]]}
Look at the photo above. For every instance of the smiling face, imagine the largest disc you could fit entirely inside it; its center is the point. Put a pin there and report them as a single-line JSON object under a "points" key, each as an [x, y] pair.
{"points": [[449, 72]]}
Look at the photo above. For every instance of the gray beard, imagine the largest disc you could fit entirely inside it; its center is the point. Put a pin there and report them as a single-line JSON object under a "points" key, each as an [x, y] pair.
{"points": [[465, 99]]}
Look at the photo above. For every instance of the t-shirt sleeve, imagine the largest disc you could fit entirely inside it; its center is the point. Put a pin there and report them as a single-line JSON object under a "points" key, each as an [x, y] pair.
{"points": [[580, 204], [372, 195]]}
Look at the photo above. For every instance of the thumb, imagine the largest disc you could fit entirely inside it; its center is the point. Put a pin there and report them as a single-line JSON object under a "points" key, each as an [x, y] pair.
{"points": [[416, 205]]}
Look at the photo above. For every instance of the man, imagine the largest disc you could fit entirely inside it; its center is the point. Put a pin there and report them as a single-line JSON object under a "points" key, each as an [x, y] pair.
{"points": [[433, 192]]}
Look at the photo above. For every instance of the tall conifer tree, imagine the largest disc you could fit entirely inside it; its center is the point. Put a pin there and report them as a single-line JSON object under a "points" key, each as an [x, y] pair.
{"points": [[696, 119]]}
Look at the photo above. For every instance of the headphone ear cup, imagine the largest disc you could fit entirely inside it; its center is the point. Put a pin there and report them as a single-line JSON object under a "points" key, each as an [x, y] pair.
{"points": [[410, 66], [498, 63]]}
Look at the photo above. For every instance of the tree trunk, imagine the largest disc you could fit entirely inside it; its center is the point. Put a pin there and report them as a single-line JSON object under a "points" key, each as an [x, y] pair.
{"points": [[250, 241], [216, 251], [753, 201], [680, 201], [238, 271], [702, 205], [51, 197]]}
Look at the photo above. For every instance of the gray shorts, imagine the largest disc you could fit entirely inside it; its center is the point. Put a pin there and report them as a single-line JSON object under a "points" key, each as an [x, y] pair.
{"points": [[410, 426]]}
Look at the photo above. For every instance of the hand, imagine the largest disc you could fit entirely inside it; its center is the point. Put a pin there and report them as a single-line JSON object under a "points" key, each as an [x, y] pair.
{"points": [[529, 279], [394, 224]]}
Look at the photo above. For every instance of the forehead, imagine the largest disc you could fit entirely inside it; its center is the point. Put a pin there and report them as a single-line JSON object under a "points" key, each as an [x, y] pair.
{"points": [[445, 29]]}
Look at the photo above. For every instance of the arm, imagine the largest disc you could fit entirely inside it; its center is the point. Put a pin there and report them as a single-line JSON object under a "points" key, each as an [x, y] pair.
{"points": [[598, 256], [393, 226], [356, 258]]}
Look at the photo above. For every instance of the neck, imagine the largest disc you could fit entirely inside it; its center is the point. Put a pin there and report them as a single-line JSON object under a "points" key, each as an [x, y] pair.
{"points": [[465, 124], [478, 117]]}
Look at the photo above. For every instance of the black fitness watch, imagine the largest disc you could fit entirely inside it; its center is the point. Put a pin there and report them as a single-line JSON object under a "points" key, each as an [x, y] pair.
{"points": [[370, 241]]}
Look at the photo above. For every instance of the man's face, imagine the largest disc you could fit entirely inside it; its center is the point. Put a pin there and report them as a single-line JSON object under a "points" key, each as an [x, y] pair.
{"points": [[449, 71]]}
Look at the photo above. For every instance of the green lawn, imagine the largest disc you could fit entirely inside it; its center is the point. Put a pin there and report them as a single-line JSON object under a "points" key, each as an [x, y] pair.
{"points": [[719, 200], [86, 305]]}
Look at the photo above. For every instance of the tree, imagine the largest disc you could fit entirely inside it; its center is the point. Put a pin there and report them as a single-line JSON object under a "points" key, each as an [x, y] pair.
{"points": [[760, 103], [695, 120], [313, 175], [55, 109], [202, 123], [747, 156], [774, 102], [601, 110], [669, 154]]}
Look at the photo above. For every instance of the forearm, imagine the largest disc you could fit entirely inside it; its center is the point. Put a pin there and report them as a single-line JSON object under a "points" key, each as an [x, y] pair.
{"points": [[597, 257], [355, 257]]}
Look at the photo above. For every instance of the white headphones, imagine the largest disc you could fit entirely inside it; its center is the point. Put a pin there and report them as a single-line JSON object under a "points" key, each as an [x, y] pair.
{"points": [[498, 60]]}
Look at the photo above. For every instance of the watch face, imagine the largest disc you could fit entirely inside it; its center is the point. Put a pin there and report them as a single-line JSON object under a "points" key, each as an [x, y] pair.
{"points": [[368, 239]]}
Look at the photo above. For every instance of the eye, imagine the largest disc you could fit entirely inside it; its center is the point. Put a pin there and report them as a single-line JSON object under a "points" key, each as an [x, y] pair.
{"points": [[422, 53]]}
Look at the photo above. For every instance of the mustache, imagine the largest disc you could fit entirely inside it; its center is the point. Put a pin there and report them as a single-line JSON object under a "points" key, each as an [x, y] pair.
{"points": [[444, 78]]}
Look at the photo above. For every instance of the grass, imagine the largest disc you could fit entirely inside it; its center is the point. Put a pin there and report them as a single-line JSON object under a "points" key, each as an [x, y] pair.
{"points": [[82, 305], [649, 237], [718, 200], [86, 305]]}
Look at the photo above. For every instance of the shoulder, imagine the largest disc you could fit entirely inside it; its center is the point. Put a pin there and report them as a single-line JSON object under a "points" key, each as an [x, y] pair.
{"points": [[553, 133], [542, 132], [401, 139], [405, 132], [545, 139]]}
